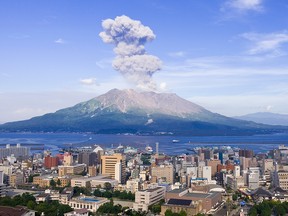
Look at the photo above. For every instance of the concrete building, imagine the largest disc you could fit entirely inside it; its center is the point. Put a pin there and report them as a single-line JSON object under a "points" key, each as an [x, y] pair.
{"points": [[18, 151], [67, 159], [114, 166], [163, 173], [133, 185], [3, 187], [253, 177], [209, 200], [247, 153], [213, 164], [236, 171], [50, 162], [71, 169], [92, 171], [44, 180], [206, 173], [16, 179], [145, 198], [88, 158], [90, 203], [267, 166], [280, 179], [176, 206], [81, 182], [66, 195]]}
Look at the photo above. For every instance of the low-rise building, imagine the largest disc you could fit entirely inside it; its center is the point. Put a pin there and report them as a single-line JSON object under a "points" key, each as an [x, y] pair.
{"points": [[71, 169], [209, 200], [66, 195], [145, 198], [89, 203], [177, 205]]}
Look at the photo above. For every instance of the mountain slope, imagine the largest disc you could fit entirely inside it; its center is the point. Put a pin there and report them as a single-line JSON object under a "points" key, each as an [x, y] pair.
{"points": [[128, 111], [266, 118]]}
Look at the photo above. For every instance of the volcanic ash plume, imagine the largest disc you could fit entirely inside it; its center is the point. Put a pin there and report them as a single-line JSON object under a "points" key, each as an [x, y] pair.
{"points": [[129, 37]]}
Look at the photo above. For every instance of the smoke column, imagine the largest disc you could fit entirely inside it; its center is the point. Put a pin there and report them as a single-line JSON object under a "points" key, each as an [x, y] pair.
{"points": [[129, 37]]}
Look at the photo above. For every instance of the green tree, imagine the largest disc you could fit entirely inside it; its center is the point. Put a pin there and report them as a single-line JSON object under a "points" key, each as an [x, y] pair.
{"points": [[280, 210], [168, 212], [97, 193], [31, 204], [58, 182], [234, 197], [107, 186], [52, 183], [182, 213]]}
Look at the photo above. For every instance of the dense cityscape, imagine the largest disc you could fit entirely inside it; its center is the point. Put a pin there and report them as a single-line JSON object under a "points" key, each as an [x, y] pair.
{"points": [[124, 180], [143, 108]]}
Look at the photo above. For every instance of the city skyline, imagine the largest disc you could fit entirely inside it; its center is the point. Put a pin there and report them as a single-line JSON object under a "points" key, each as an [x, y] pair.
{"points": [[228, 56]]}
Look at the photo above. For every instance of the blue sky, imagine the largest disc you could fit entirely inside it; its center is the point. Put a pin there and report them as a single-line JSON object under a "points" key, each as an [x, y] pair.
{"points": [[229, 56]]}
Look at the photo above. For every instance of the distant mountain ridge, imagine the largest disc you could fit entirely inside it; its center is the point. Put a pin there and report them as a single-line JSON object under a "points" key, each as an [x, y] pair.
{"points": [[129, 111], [266, 118]]}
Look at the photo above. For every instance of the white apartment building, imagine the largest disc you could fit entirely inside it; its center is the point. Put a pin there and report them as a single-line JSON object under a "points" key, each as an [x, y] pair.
{"points": [[253, 177], [145, 198]]}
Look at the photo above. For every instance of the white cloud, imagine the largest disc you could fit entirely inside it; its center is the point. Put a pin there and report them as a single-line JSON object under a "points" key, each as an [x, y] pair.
{"points": [[269, 107], [60, 41], [88, 81], [245, 5], [266, 43]]}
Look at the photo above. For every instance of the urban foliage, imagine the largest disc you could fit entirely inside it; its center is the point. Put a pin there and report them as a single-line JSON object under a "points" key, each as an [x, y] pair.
{"points": [[50, 209], [267, 208], [123, 195], [168, 212]]}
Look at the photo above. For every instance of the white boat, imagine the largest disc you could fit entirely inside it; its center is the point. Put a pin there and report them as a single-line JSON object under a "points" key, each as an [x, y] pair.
{"points": [[149, 149], [175, 141]]}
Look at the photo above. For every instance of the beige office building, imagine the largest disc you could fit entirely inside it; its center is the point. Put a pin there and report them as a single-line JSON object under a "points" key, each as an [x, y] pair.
{"points": [[114, 166], [163, 173], [71, 170], [143, 199]]}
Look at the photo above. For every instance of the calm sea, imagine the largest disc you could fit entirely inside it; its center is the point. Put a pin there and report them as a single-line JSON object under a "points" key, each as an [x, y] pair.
{"points": [[55, 141]]}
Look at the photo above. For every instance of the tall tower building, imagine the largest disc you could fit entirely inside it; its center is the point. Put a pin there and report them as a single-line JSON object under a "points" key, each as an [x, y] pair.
{"points": [[114, 166], [88, 158], [67, 159]]}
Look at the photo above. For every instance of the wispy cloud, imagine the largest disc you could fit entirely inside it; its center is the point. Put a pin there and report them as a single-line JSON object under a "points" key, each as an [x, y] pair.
{"points": [[177, 54], [19, 36], [245, 5], [266, 43], [60, 41], [104, 63], [88, 81]]}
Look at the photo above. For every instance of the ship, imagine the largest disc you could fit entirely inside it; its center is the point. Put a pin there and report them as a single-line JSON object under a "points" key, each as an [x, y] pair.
{"points": [[149, 149]]}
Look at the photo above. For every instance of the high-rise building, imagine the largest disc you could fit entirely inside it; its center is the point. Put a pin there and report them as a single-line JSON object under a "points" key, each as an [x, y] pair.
{"points": [[88, 158], [247, 153], [18, 151], [253, 177], [164, 173], [114, 166], [206, 173], [67, 159], [213, 164], [236, 171], [50, 162]]}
